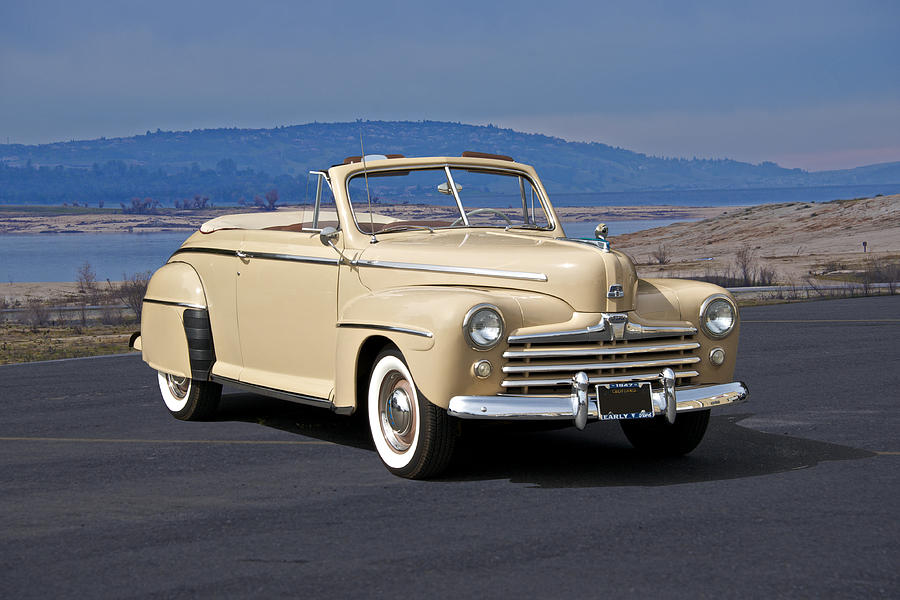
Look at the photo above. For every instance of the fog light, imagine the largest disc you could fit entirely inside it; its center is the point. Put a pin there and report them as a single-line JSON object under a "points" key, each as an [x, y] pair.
{"points": [[483, 369], [717, 356]]}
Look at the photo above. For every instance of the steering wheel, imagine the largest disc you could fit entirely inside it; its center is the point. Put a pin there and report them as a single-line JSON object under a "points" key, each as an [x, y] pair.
{"points": [[478, 211]]}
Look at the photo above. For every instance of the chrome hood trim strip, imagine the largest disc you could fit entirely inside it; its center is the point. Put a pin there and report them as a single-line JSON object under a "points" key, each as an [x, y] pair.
{"points": [[383, 264]]}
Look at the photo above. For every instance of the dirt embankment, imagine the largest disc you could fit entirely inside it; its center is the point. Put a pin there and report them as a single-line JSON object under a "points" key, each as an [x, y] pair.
{"points": [[795, 239], [23, 220]]}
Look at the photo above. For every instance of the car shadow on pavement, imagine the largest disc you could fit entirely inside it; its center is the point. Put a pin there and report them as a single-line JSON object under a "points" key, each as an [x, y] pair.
{"points": [[571, 458], [597, 457], [295, 418]]}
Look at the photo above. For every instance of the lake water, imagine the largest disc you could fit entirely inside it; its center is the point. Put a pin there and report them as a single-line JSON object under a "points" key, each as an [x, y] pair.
{"points": [[56, 257]]}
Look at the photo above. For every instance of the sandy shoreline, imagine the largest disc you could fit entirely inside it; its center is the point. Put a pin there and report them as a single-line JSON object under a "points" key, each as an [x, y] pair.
{"points": [[61, 291]]}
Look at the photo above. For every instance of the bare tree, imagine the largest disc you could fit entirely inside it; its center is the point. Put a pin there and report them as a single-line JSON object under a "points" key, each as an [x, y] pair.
{"points": [[131, 291], [744, 259], [661, 255], [271, 199], [86, 278], [87, 289]]}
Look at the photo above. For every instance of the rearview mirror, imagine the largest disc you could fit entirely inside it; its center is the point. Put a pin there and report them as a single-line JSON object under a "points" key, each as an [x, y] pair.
{"points": [[601, 231], [444, 188]]}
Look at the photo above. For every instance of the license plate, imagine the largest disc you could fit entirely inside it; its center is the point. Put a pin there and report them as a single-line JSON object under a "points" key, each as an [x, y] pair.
{"points": [[624, 401]]}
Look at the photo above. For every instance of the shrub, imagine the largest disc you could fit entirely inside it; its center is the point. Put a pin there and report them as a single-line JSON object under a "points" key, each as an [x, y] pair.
{"points": [[661, 255], [132, 290]]}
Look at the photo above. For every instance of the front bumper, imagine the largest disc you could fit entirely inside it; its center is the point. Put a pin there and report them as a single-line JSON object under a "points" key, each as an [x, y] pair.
{"points": [[580, 407]]}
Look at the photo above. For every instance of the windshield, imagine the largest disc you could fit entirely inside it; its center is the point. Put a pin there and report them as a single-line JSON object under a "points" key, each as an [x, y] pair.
{"points": [[425, 199]]}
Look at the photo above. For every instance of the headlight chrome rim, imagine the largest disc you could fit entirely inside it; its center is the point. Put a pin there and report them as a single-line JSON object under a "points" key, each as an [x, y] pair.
{"points": [[703, 316], [468, 320]]}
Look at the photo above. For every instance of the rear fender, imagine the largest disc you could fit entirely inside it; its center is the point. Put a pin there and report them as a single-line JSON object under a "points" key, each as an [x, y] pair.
{"points": [[175, 334]]}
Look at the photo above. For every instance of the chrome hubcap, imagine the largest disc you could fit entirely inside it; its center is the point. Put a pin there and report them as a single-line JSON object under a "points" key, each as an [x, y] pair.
{"points": [[179, 386], [397, 410]]}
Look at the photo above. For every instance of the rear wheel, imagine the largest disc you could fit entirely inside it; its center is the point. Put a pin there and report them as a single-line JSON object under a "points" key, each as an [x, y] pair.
{"points": [[413, 437], [657, 437], [188, 399]]}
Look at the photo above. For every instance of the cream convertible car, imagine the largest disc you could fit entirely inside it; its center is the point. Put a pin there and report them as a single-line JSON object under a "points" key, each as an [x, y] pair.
{"points": [[424, 291]]}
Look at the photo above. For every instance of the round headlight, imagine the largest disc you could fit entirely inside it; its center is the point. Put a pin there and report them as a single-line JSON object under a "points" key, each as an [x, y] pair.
{"points": [[483, 326], [718, 316]]}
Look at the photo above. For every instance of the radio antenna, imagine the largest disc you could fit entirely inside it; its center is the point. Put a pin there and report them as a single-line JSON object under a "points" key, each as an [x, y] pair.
{"points": [[374, 239]]}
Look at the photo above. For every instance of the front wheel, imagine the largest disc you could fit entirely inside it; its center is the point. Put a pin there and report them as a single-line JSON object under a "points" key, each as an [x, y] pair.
{"points": [[188, 399], [657, 437], [413, 437]]}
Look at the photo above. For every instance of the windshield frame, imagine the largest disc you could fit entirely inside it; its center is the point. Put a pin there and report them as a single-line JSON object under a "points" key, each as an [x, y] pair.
{"points": [[446, 167]]}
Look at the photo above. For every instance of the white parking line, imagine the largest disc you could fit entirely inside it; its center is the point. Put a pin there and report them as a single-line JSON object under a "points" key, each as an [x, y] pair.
{"points": [[822, 321], [150, 441]]}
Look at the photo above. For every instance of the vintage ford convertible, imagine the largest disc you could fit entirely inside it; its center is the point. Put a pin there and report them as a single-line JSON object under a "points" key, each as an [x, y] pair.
{"points": [[424, 291]]}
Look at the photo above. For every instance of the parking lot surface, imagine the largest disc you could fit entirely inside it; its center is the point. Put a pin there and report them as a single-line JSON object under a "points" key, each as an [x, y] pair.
{"points": [[103, 494]]}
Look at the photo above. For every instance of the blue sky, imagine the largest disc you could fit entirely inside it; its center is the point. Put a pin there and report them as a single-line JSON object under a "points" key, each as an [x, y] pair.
{"points": [[808, 84]]}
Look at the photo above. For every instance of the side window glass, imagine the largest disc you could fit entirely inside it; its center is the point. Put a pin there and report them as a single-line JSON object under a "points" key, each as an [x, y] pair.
{"points": [[320, 210]]}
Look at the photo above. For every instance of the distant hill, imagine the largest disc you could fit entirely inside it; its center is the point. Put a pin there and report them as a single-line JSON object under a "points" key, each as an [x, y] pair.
{"points": [[228, 165]]}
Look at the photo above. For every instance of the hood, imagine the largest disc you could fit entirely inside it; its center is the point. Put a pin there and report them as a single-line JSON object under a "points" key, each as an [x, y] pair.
{"points": [[578, 273]]}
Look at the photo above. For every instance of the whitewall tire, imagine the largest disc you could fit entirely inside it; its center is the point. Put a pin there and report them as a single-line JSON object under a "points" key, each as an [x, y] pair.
{"points": [[413, 437], [189, 400]]}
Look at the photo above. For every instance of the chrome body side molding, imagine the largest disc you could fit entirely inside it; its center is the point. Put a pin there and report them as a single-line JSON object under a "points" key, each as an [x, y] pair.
{"points": [[245, 254], [391, 328], [171, 303]]}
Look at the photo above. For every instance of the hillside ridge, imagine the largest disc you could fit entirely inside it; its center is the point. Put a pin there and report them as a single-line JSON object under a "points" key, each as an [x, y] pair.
{"points": [[228, 164]]}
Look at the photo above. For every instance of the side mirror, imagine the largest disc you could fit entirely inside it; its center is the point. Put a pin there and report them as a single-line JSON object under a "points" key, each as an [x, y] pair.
{"points": [[601, 231], [328, 235]]}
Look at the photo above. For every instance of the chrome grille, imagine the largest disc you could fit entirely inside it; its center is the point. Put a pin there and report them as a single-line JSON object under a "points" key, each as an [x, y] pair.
{"points": [[541, 366]]}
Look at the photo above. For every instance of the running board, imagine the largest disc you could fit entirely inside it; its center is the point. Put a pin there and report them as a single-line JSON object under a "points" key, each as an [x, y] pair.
{"points": [[282, 395]]}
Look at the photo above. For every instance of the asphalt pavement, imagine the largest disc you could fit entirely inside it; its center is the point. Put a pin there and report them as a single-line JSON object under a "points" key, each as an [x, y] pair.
{"points": [[794, 494]]}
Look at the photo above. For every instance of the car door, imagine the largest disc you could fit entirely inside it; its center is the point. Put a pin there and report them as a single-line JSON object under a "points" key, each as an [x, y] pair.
{"points": [[286, 311]]}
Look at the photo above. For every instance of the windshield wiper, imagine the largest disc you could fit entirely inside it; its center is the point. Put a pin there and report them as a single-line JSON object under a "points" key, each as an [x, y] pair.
{"points": [[524, 226], [401, 227]]}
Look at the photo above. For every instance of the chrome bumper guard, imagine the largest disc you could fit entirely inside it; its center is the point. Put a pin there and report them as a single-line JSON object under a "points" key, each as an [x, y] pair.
{"points": [[579, 406]]}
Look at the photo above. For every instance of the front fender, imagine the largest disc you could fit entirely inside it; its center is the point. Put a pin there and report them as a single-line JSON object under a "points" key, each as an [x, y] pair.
{"points": [[683, 299], [433, 344]]}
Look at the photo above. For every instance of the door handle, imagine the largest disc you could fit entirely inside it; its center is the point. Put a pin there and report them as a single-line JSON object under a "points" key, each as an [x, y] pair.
{"points": [[241, 254]]}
